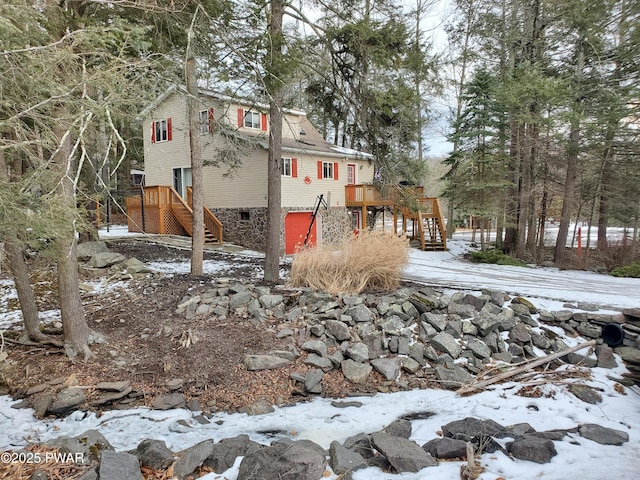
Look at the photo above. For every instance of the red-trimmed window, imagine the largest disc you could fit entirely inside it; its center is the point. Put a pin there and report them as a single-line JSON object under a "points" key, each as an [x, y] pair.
{"points": [[252, 119], [207, 121], [327, 170], [289, 167], [161, 130]]}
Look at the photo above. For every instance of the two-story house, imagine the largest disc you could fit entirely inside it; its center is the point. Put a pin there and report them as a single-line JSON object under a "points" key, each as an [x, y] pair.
{"points": [[239, 129]]}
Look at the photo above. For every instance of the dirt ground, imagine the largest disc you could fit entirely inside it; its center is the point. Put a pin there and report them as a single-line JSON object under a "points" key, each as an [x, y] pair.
{"points": [[143, 346]]}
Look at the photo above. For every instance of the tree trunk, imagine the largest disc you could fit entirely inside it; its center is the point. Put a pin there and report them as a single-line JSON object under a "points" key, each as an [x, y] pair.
{"points": [[197, 189], [572, 163], [274, 186], [20, 272], [74, 324]]}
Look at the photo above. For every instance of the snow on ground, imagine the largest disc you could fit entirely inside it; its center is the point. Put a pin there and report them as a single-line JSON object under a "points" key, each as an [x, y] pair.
{"points": [[319, 421]]}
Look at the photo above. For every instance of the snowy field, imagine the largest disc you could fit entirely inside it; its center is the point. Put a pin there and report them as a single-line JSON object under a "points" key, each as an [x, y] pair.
{"points": [[548, 288]]}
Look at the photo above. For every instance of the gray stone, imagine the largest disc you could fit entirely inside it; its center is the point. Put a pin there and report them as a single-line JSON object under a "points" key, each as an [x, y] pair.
{"points": [[462, 309], [579, 359], [336, 358], [589, 330], [403, 455], [259, 407], [312, 381], [270, 301], [87, 250], [118, 466], [410, 365], [240, 299], [629, 354], [436, 320], [605, 358], [343, 460], [540, 341], [446, 448], [192, 458], [41, 404], [389, 368], [67, 399], [585, 393], [360, 313], [169, 401], [324, 363], [478, 347], [339, 330], [468, 428], [398, 428], [520, 333], [315, 346], [453, 378], [154, 454], [487, 323], [523, 301], [426, 332], [355, 371], [110, 397], [106, 259], [91, 444], [299, 460], [225, 452], [505, 357], [358, 352], [135, 266], [532, 448], [264, 362], [603, 435], [392, 325], [469, 328], [446, 343]]}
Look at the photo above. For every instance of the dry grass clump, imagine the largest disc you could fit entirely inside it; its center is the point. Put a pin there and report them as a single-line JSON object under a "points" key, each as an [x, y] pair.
{"points": [[370, 260]]}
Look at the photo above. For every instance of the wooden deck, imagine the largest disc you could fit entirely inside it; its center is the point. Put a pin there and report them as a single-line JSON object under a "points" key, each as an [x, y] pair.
{"points": [[160, 209], [408, 202]]}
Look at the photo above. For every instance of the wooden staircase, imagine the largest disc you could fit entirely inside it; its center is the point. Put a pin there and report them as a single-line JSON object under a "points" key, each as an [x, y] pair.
{"points": [[160, 209], [432, 232], [184, 214]]}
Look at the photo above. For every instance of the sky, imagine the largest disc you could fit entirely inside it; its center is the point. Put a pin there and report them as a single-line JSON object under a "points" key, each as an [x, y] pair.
{"points": [[319, 421]]}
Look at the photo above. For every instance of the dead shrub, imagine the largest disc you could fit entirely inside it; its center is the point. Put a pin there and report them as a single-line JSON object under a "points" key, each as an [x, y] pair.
{"points": [[370, 260]]}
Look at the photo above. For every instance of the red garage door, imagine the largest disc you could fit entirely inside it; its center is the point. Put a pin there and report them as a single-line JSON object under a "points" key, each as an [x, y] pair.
{"points": [[296, 226]]}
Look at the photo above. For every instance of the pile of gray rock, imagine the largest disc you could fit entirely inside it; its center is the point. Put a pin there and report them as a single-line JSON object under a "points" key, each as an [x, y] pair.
{"points": [[414, 332], [390, 449], [100, 262]]}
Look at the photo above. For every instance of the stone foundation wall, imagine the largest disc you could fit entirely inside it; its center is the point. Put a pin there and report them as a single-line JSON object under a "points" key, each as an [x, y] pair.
{"points": [[248, 226], [243, 226]]}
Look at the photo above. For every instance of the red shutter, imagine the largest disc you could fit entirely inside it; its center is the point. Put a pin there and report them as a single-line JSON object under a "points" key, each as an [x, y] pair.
{"points": [[153, 132], [169, 129], [211, 119], [319, 170], [294, 167], [335, 170], [263, 122], [240, 117]]}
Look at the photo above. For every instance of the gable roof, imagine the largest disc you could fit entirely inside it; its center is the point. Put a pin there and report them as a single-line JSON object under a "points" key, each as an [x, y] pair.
{"points": [[310, 141]]}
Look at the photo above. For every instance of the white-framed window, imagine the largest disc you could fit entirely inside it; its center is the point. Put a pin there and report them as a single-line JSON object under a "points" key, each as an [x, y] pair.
{"points": [[161, 130], [327, 170], [252, 119], [289, 167], [204, 122], [285, 167]]}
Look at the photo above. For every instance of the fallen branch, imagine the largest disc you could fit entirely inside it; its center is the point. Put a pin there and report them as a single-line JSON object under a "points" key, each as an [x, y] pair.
{"points": [[467, 389]]}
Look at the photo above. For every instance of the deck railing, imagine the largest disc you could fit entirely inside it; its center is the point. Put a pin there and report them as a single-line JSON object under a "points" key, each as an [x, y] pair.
{"points": [[160, 209]]}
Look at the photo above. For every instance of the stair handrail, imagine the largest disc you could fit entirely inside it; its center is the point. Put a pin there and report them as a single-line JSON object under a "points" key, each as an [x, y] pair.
{"points": [[211, 222]]}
